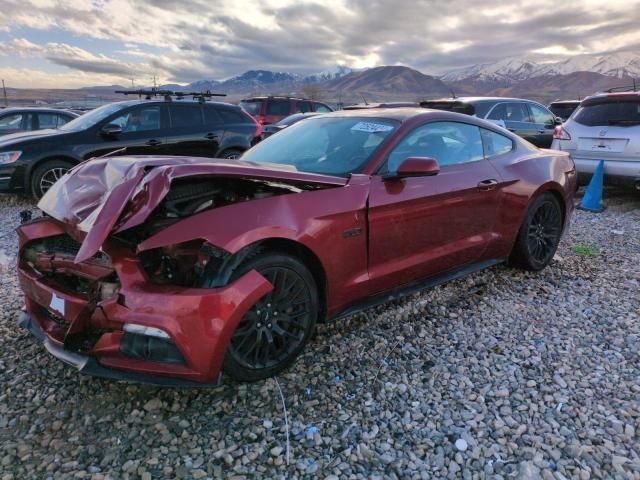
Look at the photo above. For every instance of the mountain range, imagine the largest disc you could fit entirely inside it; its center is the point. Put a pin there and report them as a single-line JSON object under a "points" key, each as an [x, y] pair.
{"points": [[573, 77]]}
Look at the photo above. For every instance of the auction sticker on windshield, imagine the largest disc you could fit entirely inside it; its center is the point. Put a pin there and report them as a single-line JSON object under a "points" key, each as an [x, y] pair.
{"points": [[370, 127]]}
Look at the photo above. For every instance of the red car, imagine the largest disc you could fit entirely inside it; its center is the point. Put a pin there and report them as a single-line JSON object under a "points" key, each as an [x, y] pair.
{"points": [[268, 110], [170, 270]]}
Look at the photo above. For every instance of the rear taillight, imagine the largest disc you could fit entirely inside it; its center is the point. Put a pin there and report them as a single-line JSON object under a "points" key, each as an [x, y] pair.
{"points": [[561, 134], [258, 125]]}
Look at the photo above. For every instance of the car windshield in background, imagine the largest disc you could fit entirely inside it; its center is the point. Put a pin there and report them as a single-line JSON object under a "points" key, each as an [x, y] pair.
{"points": [[89, 119], [620, 112], [332, 146], [252, 108]]}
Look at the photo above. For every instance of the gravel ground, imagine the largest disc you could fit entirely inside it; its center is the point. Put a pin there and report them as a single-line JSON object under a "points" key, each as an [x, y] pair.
{"points": [[503, 374]]}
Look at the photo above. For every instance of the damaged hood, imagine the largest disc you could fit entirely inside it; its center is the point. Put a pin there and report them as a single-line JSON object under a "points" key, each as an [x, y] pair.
{"points": [[113, 194]]}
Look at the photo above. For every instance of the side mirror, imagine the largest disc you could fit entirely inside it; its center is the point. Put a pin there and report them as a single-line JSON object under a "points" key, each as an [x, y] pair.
{"points": [[415, 167], [558, 121], [111, 130]]}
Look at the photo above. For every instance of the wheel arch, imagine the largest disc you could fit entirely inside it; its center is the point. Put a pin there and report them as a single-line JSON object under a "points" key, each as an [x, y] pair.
{"points": [[34, 166], [308, 257]]}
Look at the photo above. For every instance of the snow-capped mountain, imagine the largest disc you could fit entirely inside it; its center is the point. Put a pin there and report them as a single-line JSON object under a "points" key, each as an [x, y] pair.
{"points": [[338, 72], [513, 69]]}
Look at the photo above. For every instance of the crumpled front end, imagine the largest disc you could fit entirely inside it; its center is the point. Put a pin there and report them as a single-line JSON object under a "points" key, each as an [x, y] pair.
{"points": [[106, 317]]}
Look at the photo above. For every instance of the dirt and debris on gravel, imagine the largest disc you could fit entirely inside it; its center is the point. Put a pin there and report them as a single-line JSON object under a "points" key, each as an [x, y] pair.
{"points": [[500, 375]]}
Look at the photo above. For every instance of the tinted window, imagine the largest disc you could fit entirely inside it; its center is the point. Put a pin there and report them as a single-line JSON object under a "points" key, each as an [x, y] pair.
{"points": [[62, 119], [614, 111], [278, 107], [186, 116], [541, 115], [291, 119], [302, 107], [563, 111], [510, 112], [333, 145], [48, 120], [139, 119], [252, 107], [449, 143], [495, 144], [321, 107], [233, 116], [211, 116], [10, 123]]}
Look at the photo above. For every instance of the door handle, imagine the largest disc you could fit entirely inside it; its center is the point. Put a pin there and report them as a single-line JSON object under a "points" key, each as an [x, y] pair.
{"points": [[489, 184], [211, 136], [542, 130], [511, 129], [153, 143]]}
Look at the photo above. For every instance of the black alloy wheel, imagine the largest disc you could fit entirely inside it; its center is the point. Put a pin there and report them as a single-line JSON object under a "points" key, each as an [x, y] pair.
{"points": [[275, 330]]}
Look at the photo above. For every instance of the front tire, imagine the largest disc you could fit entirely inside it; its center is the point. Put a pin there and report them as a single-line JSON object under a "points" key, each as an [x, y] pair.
{"points": [[46, 174], [275, 330], [539, 234]]}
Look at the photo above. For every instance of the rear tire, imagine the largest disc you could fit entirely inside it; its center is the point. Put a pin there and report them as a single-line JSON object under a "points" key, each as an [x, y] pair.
{"points": [[275, 330], [539, 234], [46, 174], [232, 154]]}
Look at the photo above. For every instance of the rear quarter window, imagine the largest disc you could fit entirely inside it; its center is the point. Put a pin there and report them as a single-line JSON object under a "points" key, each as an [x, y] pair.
{"points": [[621, 111], [495, 144], [233, 116]]}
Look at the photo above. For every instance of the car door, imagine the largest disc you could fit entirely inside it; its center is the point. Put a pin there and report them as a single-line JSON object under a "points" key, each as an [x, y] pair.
{"points": [[215, 126], [142, 132], [423, 226], [544, 123], [187, 134], [276, 110]]}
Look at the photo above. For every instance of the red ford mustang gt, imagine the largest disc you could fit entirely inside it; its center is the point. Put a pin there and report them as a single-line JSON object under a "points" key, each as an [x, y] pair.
{"points": [[170, 270]]}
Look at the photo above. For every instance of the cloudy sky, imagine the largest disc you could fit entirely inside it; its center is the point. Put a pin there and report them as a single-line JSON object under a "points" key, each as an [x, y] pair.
{"points": [[72, 43]]}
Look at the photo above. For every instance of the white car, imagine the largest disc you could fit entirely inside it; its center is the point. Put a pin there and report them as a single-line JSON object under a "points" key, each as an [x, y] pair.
{"points": [[605, 126]]}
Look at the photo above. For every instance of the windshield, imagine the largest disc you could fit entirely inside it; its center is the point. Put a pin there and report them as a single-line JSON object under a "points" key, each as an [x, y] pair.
{"points": [[329, 145], [89, 119], [614, 111], [252, 107]]}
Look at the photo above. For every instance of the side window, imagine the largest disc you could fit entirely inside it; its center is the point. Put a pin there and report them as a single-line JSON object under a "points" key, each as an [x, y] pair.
{"points": [[47, 120], [233, 116], [321, 107], [186, 116], [211, 116], [11, 123], [495, 144], [303, 107], [541, 115], [139, 119], [62, 119], [278, 107], [499, 112], [517, 112], [450, 143]]}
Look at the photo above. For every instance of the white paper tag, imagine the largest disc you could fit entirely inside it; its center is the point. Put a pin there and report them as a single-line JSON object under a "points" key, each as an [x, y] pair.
{"points": [[370, 127], [57, 304]]}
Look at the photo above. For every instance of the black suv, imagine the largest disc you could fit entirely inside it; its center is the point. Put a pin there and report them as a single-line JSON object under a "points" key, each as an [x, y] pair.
{"points": [[530, 120], [31, 162]]}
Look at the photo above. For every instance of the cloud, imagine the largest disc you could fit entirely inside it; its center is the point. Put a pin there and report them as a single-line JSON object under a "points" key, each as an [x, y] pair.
{"points": [[194, 39]]}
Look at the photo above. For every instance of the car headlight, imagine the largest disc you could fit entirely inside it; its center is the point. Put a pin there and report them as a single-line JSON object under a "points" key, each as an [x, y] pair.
{"points": [[9, 157]]}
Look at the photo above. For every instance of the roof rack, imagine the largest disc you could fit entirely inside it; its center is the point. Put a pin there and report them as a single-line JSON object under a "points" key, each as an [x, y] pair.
{"points": [[168, 94], [628, 88]]}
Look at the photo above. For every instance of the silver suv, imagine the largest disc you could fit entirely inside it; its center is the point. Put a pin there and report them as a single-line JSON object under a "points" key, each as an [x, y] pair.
{"points": [[605, 127]]}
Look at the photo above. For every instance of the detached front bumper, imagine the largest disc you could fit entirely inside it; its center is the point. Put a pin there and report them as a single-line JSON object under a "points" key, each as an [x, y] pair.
{"points": [[195, 324]]}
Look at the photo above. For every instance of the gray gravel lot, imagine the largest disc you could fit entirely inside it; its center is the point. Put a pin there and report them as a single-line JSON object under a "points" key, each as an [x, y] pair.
{"points": [[503, 374]]}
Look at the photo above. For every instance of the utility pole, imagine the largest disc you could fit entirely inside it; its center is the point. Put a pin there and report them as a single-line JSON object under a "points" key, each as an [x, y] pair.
{"points": [[4, 92]]}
